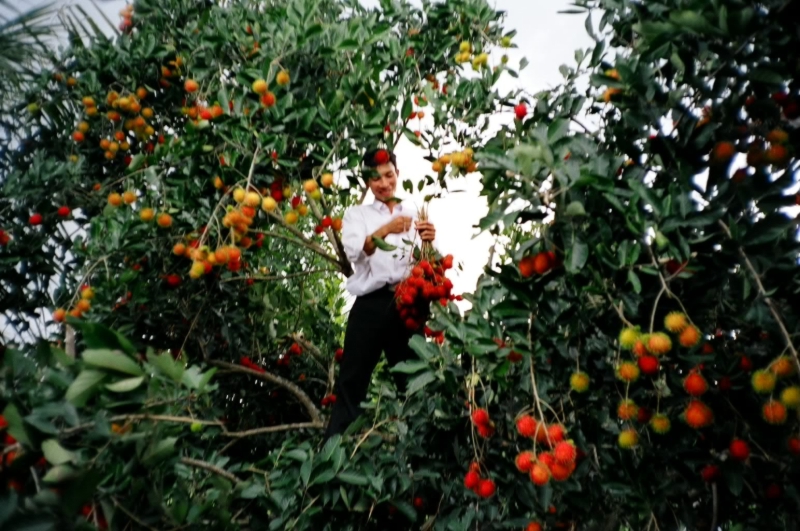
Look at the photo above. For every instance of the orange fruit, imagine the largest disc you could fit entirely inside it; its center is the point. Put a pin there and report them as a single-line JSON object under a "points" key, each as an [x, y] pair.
{"points": [[147, 214], [282, 78], [114, 199], [129, 197], [164, 220]]}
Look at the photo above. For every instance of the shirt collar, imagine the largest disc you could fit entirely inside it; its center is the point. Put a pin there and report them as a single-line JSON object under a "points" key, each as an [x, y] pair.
{"points": [[381, 206]]}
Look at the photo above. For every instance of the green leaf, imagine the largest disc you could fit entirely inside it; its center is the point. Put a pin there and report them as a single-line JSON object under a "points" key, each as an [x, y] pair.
{"points": [[381, 244], [84, 386], [15, 426], [112, 359], [160, 451], [766, 76], [59, 474], [8, 505], [419, 382], [136, 162], [633, 278], [353, 478], [124, 386], [57, 454], [577, 256], [166, 365], [410, 367]]}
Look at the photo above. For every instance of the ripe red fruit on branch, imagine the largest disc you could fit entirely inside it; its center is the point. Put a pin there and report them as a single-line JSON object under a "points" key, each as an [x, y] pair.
{"points": [[698, 415], [480, 417], [739, 450], [520, 111], [472, 479], [695, 384], [339, 354], [540, 474], [542, 263], [486, 488], [190, 85], [648, 364], [709, 473], [794, 445], [564, 452], [296, 349], [524, 461], [534, 526], [556, 433], [526, 426], [35, 219], [63, 211]]}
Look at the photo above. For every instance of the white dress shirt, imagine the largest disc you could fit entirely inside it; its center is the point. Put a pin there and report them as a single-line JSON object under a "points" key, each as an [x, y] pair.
{"points": [[383, 267]]}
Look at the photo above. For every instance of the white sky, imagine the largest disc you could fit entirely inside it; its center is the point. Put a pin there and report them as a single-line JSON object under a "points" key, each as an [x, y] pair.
{"points": [[546, 39]]}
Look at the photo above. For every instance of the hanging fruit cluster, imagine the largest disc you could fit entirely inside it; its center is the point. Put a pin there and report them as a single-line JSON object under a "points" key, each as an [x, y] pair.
{"points": [[461, 160], [557, 462], [426, 284]]}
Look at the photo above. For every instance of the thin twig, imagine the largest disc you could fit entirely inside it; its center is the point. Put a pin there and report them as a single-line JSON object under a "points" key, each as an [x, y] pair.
{"points": [[274, 429], [130, 515], [211, 468], [280, 277], [767, 300], [714, 516]]}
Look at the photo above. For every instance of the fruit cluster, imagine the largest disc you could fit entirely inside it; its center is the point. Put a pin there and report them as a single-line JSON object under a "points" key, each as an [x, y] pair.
{"points": [[558, 462], [649, 348], [539, 264], [427, 283], [465, 53], [244, 361], [461, 160], [328, 400], [483, 487], [482, 422], [83, 305]]}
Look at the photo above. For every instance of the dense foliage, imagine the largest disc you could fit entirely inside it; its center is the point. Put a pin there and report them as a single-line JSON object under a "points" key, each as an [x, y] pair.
{"points": [[644, 308]]}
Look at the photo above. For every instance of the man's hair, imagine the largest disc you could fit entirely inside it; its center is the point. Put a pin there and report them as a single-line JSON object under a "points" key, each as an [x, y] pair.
{"points": [[369, 158]]}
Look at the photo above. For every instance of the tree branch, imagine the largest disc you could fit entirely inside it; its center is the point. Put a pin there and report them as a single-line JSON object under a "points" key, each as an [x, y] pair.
{"points": [[280, 277], [145, 416], [274, 429], [303, 398], [211, 468], [302, 241], [767, 300]]}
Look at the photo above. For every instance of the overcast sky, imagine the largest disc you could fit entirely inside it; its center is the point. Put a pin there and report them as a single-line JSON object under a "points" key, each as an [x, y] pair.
{"points": [[545, 38]]}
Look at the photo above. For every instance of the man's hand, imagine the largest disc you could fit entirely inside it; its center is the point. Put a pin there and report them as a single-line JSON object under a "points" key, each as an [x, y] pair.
{"points": [[398, 225], [427, 232]]}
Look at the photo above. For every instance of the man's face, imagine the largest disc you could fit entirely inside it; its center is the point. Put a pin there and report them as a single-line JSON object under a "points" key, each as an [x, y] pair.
{"points": [[383, 181]]}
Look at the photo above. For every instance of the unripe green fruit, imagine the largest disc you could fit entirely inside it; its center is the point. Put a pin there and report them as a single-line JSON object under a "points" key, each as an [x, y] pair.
{"points": [[196, 427]]}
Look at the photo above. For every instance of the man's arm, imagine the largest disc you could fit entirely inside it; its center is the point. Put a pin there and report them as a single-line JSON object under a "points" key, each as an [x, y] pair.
{"points": [[396, 226]]}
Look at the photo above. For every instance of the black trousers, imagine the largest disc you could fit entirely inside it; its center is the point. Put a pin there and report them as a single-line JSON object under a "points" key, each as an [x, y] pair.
{"points": [[374, 326]]}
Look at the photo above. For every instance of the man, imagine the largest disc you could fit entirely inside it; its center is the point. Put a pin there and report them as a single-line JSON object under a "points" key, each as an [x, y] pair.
{"points": [[374, 324]]}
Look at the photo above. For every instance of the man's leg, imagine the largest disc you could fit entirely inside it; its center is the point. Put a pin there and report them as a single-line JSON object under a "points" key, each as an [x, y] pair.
{"points": [[362, 350], [395, 345]]}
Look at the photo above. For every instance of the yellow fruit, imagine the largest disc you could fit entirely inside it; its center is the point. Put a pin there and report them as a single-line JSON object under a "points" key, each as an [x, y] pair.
{"points": [[675, 322], [252, 199], [282, 78], [302, 210], [465, 47], [326, 180], [437, 166], [660, 423], [628, 438], [628, 337], [316, 195], [579, 381], [260, 86], [310, 186], [197, 270], [83, 127], [114, 199], [147, 214], [763, 382], [659, 343], [505, 42], [129, 197], [239, 195], [790, 397], [291, 217], [268, 204], [218, 182], [87, 293], [287, 191]]}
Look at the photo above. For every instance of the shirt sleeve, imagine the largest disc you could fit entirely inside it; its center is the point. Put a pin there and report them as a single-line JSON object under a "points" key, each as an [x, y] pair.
{"points": [[354, 233]]}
